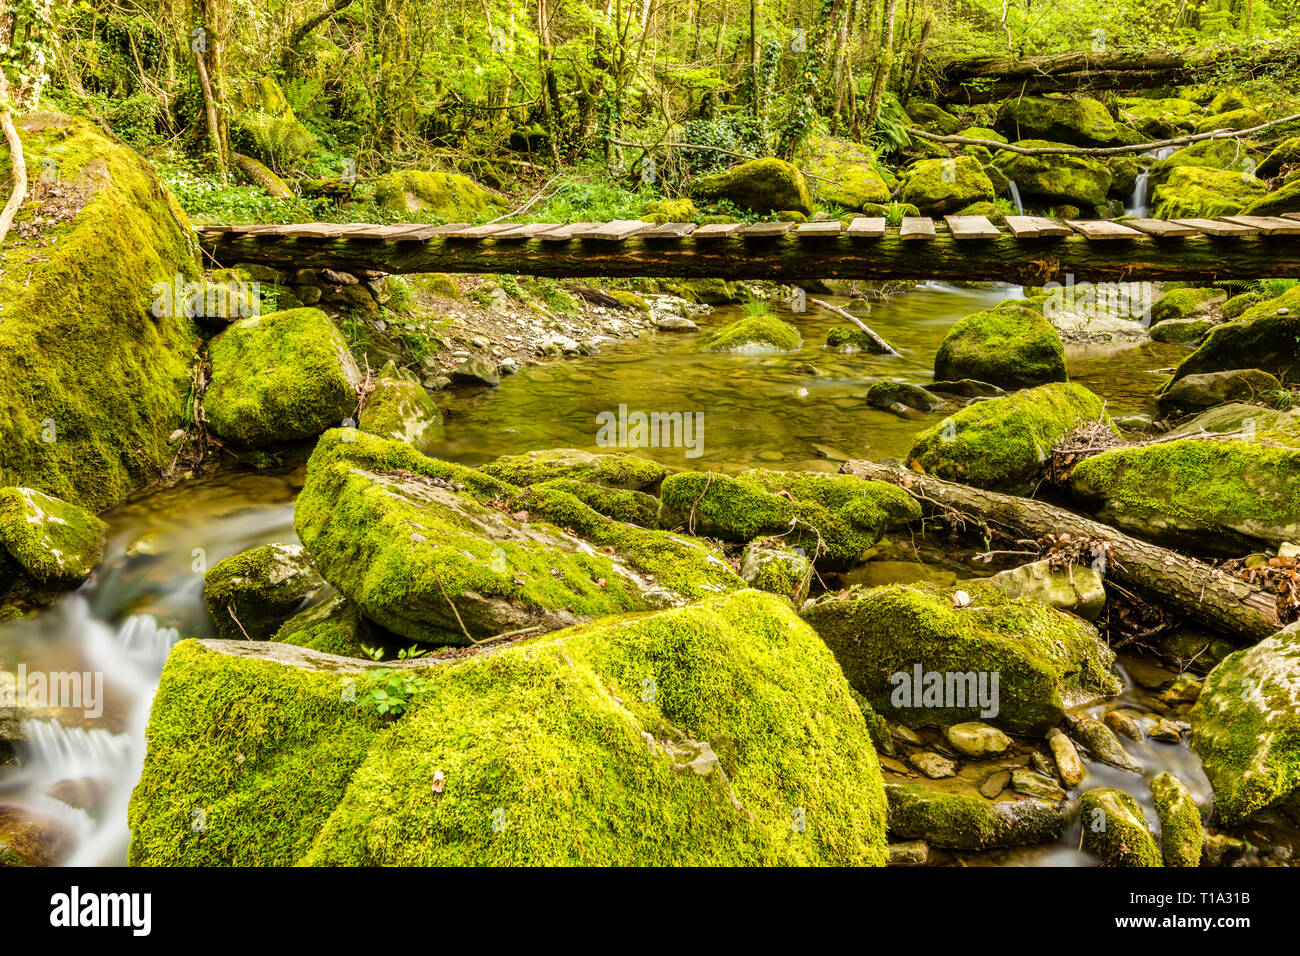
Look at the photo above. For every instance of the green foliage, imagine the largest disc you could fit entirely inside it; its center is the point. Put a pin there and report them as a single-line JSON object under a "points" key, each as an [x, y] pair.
{"points": [[390, 691]]}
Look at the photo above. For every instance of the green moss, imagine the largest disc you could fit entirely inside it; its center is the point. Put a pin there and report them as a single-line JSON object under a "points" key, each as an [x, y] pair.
{"points": [[707, 291], [610, 471], [774, 567], [850, 339], [847, 171], [91, 381], [1243, 118], [755, 333], [763, 185], [1182, 832], [1194, 490], [448, 196], [917, 812], [886, 394], [1003, 443], [632, 507], [1010, 346], [1202, 192], [400, 408], [1046, 661], [1184, 303], [1226, 154], [245, 760], [1282, 200], [250, 594], [1182, 331], [1261, 338], [1159, 118], [51, 540], [335, 626], [266, 126], [1056, 178], [280, 377], [1114, 829], [1285, 153], [1079, 121], [847, 515], [941, 186], [1234, 307]]}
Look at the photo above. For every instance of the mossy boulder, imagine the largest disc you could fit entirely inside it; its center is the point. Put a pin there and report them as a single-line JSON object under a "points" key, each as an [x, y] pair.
{"points": [[94, 362], [1203, 192], [1264, 337], [669, 210], [1182, 331], [1284, 199], [772, 566], [763, 185], [1182, 831], [46, 539], [934, 118], [938, 187], [846, 338], [849, 170], [1246, 727], [265, 125], [449, 196], [440, 553], [1195, 393], [1079, 121], [1115, 831], [885, 638], [400, 408], [1226, 100], [1054, 178], [917, 812], [1159, 118], [621, 504], [717, 734], [1003, 443], [1211, 495], [335, 626], [280, 377], [754, 334], [1185, 303], [887, 394], [1224, 154], [1010, 346], [1285, 153], [1243, 118], [841, 514], [250, 594], [609, 471]]}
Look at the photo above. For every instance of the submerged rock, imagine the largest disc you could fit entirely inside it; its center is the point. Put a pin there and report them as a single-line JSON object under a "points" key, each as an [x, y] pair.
{"points": [[279, 378], [1005, 442], [918, 659], [400, 408], [1114, 829], [1182, 832], [1033, 784], [252, 593], [917, 812], [763, 185], [753, 335], [1102, 744], [618, 728], [49, 540], [1078, 589], [1068, 765]]}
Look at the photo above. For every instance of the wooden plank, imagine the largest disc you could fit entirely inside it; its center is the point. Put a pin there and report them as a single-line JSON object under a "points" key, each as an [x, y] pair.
{"points": [[867, 227], [718, 230], [1102, 229], [529, 230], [916, 227], [766, 230], [1161, 228], [827, 229], [450, 228], [565, 232], [1268, 225], [1024, 227], [669, 230], [1291, 215], [1218, 229], [617, 231], [971, 227]]}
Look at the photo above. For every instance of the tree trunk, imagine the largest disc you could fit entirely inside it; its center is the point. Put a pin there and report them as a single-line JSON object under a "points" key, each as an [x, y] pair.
{"points": [[17, 163], [916, 63], [1191, 588], [880, 78]]}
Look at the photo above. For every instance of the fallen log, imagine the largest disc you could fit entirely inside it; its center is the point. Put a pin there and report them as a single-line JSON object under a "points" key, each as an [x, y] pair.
{"points": [[1189, 587], [885, 347]]}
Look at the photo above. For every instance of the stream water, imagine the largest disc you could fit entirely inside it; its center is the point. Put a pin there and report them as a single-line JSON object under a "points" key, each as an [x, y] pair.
{"points": [[801, 410]]}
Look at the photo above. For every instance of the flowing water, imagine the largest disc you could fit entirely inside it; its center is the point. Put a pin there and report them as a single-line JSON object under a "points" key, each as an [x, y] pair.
{"points": [[801, 410]]}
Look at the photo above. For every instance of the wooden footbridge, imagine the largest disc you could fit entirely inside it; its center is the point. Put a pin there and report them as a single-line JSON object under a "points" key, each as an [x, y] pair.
{"points": [[1029, 250]]}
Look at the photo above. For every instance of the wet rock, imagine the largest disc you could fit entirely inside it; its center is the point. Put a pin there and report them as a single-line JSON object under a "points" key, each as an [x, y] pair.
{"points": [[610, 471], [1122, 723], [1182, 832], [1162, 729], [906, 734], [1195, 393], [477, 370], [995, 783], [674, 323], [752, 335], [850, 339], [1068, 765], [1079, 589], [252, 593], [1220, 849], [919, 659], [51, 541], [401, 409], [1033, 784], [84, 793], [977, 740], [30, 838], [909, 853], [1184, 690], [932, 765], [1263, 337], [917, 812], [885, 394], [1115, 831], [1102, 744], [777, 569], [967, 388]]}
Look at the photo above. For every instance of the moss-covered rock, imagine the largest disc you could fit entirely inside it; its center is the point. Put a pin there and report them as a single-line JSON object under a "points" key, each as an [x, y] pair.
{"points": [[1114, 829], [449, 196], [1246, 727], [886, 394], [1044, 661], [1010, 346], [48, 540], [1264, 337], [1243, 118], [773, 566], [934, 118], [917, 812], [754, 334], [669, 210], [1182, 832], [440, 553], [1185, 303], [1284, 199], [763, 185], [1285, 153], [847, 171], [721, 733], [1195, 393], [1079, 121], [280, 377], [265, 125], [1182, 331], [400, 408], [938, 187], [621, 504], [610, 471], [1162, 118], [250, 594], [335, 626], [841, 514], [94, 366], [1003, 443], [1213, 495], [1224, 154], [1202, 192], [845, 338], [1055, 178]]}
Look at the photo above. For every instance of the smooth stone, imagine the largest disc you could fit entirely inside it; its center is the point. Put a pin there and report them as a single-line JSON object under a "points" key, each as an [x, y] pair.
{"points": [[1036, 785], [977, 740], [1102, 744], [908, 853], [995, 783], [932, 765], [1123, 724], [1068, 764]]}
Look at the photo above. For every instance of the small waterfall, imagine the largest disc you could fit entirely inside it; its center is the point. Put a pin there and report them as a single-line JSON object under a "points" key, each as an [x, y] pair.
{"points": [[1138, 202], [1015, 197]]}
